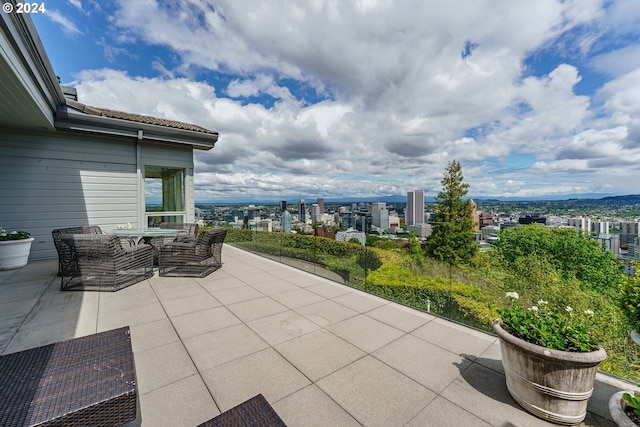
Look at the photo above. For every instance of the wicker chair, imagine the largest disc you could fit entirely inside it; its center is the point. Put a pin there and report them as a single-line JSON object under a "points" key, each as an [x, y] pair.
{"points": [[188, 232], [255, 412], [65, 254], [197, 258], [98, 262], [190, 229]]}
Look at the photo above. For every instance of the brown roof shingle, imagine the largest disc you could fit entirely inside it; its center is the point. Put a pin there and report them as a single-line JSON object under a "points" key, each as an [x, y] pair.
{"points": [[138, 118]]}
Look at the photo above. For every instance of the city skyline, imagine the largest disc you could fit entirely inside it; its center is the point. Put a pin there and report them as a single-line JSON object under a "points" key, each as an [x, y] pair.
{"points": [[370, 98]]}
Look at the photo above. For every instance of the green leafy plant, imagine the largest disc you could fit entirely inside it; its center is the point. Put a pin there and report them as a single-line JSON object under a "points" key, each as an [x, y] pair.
{"points": [[632, 402], [549, 327], [630, 298], [13, 235]]}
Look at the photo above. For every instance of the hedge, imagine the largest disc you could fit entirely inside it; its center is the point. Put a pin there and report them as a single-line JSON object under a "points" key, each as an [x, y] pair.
{"points": [[467, 304], [318, 250]]}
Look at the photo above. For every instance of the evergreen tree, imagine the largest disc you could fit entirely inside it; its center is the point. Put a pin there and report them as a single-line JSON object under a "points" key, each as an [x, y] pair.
{"points": [[452, 237]]}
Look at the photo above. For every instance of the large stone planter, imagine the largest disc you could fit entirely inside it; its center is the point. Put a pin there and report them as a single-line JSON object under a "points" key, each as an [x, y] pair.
{"points": [[616, 409], [14, 253], [552, 384]]}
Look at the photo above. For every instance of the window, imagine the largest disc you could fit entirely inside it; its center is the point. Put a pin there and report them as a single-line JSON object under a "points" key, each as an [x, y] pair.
{"points": [[164, 190]]}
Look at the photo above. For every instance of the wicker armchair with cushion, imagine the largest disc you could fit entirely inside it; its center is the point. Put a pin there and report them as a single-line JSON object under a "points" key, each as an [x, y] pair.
{"points": [[98, 262], [188, 228], [188, 232], [65, 254], [197, 258]]}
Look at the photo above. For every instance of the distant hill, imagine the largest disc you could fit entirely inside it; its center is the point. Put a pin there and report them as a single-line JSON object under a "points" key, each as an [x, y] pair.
{"points": [[631, 199], [575, 199]]}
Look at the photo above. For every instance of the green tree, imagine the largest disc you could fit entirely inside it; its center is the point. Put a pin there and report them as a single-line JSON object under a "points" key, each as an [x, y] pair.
{"points": [[571, 253], [630, 297], [368, 260], [452, 237]]}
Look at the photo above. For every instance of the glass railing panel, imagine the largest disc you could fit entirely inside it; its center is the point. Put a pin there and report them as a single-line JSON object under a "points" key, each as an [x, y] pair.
{"points": [[460, 293]]}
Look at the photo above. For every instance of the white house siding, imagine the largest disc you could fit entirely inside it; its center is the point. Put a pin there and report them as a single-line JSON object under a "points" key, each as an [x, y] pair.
{"points": [[174, 156], [54, 180]]}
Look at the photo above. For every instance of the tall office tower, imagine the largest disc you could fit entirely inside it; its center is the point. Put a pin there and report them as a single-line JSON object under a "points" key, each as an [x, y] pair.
{"points": [[600, 227], [286, 222], [320, 202], [302, 210], [414, 213], [253, 212], [315, 212], [283, 206], [380, 215]]}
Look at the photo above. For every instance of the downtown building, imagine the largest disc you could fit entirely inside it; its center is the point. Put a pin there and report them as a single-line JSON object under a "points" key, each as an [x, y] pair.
{"points": [[380, 216], [414, 213]]}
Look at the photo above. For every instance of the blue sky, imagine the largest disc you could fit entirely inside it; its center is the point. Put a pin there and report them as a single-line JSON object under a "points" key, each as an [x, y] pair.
{"points": [[369, 98]]}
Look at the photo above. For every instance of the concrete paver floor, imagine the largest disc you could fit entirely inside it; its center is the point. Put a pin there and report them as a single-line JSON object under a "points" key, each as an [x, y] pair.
{"points": [[322, 354]]}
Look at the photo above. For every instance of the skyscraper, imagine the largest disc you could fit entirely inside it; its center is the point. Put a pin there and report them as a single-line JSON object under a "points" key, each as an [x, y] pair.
{"points": [[315, 212], [414, 213], [286, 222], [283, 206], [380, 215], [320, 202], [302, 210]]}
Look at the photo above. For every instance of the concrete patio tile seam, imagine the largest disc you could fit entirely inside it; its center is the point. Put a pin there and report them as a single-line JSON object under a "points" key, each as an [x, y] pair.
{"points": [[375, 355], [315, 382], [195, 366], [361, 394], [26, 316]]}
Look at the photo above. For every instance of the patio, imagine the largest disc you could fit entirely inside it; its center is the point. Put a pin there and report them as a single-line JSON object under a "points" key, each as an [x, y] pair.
{"points": [[321, 353]]}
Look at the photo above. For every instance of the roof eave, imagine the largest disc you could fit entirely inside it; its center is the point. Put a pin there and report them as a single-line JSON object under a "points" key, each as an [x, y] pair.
{"points": [[25, 41], [71, 120]]}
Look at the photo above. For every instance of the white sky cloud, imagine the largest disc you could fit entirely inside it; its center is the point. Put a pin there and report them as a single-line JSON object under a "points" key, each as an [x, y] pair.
{"points": [[76, 3], [65, 23], [365, 97]]}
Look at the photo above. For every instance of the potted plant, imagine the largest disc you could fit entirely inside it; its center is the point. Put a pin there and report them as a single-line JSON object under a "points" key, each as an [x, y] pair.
{"points": [[549, 358], [625, 409], [14, 249]]}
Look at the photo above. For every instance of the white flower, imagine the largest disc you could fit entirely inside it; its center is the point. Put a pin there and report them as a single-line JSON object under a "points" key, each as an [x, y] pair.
{"points": [[569, 309], [543, 302], [533, 308], [588, 312], [513, 295]]}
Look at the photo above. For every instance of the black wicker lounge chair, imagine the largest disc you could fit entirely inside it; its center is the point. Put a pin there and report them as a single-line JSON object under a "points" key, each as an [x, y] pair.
{"points": [[98, 262], [64, 251], [188, 232], [255, 412], [193, 258], [87, 381], [188, 228]]}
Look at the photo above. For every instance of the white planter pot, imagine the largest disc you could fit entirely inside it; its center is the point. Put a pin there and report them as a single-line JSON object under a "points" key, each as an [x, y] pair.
{"points": [[14, 253], [552, 384], [616, 408]]}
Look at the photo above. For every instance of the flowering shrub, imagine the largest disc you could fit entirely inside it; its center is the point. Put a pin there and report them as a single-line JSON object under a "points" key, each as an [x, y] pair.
{"points": [[547, 327], [13, 235]]}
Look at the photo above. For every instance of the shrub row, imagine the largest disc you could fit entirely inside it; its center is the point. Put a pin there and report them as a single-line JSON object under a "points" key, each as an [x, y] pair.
{"points": [[313, 249], [463, 303]]}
